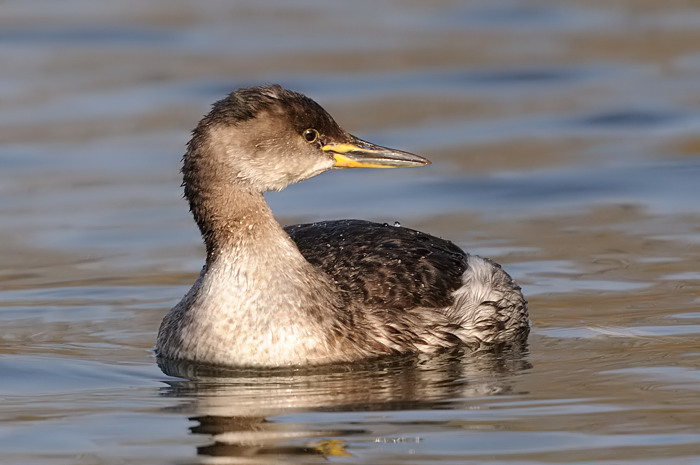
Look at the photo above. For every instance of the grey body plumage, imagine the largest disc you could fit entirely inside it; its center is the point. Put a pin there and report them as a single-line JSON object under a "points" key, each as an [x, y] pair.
{"points": [[324, 292]]}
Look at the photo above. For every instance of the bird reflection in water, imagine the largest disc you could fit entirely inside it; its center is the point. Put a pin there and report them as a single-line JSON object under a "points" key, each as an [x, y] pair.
{"points": [[236, 407]]}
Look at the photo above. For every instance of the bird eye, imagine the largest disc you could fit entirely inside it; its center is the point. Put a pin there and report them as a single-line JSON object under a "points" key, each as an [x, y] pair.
{"points": [[311, 135]]}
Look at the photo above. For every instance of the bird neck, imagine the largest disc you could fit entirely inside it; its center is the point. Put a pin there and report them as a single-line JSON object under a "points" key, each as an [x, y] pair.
{"points": [[234, 219], [225, 209], [243, 240]]}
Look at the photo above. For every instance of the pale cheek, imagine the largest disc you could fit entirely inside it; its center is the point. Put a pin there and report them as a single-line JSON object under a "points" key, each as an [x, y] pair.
{"points": [[323, 164]]}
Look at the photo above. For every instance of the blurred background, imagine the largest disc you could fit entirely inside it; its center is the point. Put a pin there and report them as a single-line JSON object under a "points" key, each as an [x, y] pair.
{"points": [[565, 140]]}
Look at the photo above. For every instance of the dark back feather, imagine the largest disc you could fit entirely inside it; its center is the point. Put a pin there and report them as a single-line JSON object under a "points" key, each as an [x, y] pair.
{"points": [[383, 266]]}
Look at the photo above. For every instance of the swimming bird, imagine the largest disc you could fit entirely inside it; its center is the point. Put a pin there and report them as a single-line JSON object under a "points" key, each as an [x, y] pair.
{"points": [[331, 291]]}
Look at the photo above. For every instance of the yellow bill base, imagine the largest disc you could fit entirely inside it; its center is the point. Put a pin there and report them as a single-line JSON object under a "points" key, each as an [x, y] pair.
{"points": [[341, 161]]}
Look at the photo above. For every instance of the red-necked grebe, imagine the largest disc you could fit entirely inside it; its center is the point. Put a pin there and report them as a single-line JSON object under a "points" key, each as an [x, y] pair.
{"points": [[316, 293]]}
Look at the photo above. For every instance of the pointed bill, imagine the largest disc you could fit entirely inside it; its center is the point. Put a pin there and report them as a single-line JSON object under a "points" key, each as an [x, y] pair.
{"points": [[362, 154]]}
